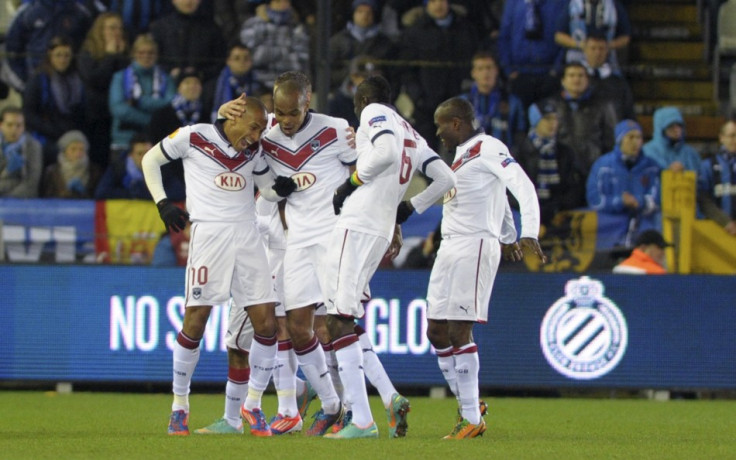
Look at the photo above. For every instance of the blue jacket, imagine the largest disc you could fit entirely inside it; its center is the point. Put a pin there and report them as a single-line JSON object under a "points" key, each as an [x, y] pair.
{"points": [[723, 189], [500, 114], [516, 52], [663, 150], [609, 178]]}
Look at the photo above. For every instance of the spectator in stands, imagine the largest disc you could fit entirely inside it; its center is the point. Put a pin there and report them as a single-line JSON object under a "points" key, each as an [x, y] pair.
{"points": [[104, 52], [278, 40], [54, 98], [136, 92], [35, 24], [606, 81], [499, 113], [361, 36], [443, 37], [527, 49], [73, 175], [647, 258], [717, 181], [21, 157], [586, 122], [235, 78], [667, 147], [229, 15], [185, 109], [587, 17], [138, 15], [188, 40], [341, 101], [550, 164], [626, 182], [123, 179]]}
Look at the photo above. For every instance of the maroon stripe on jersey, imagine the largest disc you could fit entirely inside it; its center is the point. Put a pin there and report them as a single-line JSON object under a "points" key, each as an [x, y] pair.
{"points": [[310, 346], [285, 345], [296, 159], [477, 277], [473, 153], [344, 341], [410, 143], [213, 151], [239, 376], [470, 348]]}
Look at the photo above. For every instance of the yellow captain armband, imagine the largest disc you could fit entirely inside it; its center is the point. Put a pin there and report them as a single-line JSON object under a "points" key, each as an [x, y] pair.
{"points": [[355, 180]]}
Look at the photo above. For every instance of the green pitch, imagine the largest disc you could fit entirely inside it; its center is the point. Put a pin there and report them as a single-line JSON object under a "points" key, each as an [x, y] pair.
{"points": [[133, 426]]}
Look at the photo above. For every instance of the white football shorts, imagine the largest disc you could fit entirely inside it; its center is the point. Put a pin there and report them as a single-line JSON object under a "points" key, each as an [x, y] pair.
{"points": [[301, 275], [276, 263], [227, 260], [239, 334], [462, 278], [351, 260]]}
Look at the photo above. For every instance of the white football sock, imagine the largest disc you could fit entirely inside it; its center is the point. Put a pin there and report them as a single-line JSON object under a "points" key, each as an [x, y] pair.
{"points": [[186, 357], [284, 379], [235, 394], [312, 362], [375, 372], [331, 363], [262, 357], [446, 363], [350, 361], [466, 367]]}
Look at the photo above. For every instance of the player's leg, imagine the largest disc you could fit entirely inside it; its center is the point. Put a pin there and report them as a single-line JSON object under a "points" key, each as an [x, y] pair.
{"points": [[397, 406], [439, 337], [320, 330], [467, 366], [287, 418], [185, 359]]}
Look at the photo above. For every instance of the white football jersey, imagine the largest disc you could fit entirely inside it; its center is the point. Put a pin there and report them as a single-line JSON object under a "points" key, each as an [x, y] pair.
{"points": [[219, 179], [317, 157], [484, 169], [372, 206]]}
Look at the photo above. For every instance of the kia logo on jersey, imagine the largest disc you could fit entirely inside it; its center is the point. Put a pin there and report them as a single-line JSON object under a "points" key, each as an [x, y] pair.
{"points": [[304, 180], [230, 181]]}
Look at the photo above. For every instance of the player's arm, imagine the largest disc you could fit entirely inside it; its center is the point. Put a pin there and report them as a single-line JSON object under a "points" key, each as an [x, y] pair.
{"points": [[273, 189], [509, 247], [381, 157], [443, 179], [174, 217]]}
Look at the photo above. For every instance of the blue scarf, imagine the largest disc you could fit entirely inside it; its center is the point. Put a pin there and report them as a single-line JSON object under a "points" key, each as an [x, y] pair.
{"points": [[188, 112], [548, 173], [132, 87], [487, 112], [445, 22], [532, 20], [574, 103], [279, 18], [230, 86], [362, 33], [13, 152], [132, 173], [584, 15]]}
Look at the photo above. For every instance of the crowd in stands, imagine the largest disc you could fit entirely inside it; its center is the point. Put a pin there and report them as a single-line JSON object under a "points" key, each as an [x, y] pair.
{"points": [[103, 80]]}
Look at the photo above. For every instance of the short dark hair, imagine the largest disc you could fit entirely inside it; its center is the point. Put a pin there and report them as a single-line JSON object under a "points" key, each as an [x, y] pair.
{"points": [[376, 89], [574, 64], [458, 107], [140, 137]]}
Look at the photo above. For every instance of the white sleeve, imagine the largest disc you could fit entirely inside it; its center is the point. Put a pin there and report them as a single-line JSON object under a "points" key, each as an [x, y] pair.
{"points": [[265, 182], [508, 227], [443, 179], [378, 159], [151, 164]]}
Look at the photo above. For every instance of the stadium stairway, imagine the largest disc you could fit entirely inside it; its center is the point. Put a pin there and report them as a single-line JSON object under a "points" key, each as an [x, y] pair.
{"points": [[667, 65]]}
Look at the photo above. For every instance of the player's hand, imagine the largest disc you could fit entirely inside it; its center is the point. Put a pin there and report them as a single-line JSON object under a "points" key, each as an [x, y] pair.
{"points": [[533, 245], [403, 212], [396, 243], [173, 216], [284, 186], [232, 110], [351, 137], [341, 194], [512, 252]]}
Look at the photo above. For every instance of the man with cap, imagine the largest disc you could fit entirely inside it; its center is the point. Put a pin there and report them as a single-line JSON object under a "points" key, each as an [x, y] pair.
{"points": [[647, 258], [625, 182], [550, 164], [717, 181], [361, 36]]}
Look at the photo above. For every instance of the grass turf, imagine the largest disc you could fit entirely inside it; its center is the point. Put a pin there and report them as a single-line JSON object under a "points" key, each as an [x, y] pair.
{"points": [[133, 426]]}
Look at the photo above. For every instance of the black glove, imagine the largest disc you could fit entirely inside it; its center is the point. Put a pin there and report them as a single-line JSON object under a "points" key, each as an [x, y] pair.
{"points": [[403, 212], [284, 186], [173, 216], [341, 194]]}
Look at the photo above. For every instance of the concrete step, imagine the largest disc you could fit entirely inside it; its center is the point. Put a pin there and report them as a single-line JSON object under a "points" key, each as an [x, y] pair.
{"points": [[666, 51], [672, 89], [668, 31], [684, 70], [702, 128], [688, 108], [663, 12]]}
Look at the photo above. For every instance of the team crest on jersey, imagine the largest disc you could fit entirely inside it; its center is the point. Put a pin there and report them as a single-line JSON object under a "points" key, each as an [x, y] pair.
{"points": [[314, 144], [378, 119], [230, 181], [449, 195], [197, 292], [304, 180]]}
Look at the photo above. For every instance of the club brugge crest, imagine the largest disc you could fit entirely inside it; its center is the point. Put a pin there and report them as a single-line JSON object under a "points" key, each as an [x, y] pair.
{"points": [[584, 334], [197, 292]]}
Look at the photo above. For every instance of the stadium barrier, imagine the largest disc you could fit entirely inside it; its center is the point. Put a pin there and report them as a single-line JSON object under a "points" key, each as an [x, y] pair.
{"points": [[81, 323]]}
